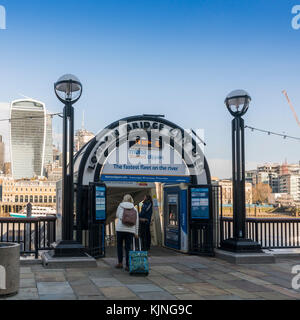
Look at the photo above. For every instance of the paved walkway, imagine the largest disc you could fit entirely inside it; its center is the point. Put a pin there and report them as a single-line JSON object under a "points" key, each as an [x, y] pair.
{"points": [[173, 277]]}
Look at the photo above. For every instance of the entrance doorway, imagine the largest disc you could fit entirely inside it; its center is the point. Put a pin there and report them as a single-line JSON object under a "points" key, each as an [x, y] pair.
{"points": [[115, 195]]}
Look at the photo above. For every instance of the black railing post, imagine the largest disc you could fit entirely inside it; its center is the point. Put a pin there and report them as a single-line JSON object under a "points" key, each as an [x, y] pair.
{"points": [[36, 239], [48, 233], [256, 232]]}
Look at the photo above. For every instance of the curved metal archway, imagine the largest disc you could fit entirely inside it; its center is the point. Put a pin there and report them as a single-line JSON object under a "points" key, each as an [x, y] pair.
{"points": [[90, 159]]}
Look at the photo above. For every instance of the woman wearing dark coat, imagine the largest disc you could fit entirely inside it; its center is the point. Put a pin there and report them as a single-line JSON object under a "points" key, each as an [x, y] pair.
{"points": [[145, 221]]}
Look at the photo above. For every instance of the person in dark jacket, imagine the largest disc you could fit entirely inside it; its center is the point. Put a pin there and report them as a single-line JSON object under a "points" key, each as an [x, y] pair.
{"points": [[145, 222]]}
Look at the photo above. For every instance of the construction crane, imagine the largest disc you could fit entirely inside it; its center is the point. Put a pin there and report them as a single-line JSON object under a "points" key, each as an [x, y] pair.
{"points": [[291, 106]]}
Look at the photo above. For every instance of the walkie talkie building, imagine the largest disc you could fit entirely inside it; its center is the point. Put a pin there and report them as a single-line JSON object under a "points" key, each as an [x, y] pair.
{"points": [[30, 139]]}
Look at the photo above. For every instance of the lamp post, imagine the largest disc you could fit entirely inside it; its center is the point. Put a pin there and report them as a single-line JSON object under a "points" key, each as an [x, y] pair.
{"points": [[237, 103], [68, 90]]}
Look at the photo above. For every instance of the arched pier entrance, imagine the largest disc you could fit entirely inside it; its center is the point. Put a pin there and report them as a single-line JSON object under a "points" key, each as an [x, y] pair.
{"points": [[146, 155]]}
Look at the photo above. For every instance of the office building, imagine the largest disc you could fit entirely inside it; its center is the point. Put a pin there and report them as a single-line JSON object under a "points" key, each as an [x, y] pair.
{"points": [[30, 139], [290, 184]]}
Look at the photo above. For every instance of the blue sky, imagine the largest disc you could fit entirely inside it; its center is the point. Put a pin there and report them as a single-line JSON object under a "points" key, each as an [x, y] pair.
{"points": [[179, 58]]}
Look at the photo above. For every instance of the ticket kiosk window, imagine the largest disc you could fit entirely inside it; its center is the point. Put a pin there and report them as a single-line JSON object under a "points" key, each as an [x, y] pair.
{"points": [[172, 217], [173, 210]]}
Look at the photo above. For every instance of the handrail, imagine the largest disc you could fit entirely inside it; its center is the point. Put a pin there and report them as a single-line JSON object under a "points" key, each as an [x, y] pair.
{"points": [[27, 220], [266, 219]]}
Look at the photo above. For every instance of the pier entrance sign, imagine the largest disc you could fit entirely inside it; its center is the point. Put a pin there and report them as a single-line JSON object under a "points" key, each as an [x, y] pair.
{"points": [[142, 149]]}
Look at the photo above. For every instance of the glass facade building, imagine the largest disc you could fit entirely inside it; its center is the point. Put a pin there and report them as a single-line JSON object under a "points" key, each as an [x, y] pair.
{"points": [[30, 139]]}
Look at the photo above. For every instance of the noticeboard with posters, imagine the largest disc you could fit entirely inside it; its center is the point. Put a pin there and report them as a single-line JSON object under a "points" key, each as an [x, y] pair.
{"points": [[200, 202], [99, 202]]}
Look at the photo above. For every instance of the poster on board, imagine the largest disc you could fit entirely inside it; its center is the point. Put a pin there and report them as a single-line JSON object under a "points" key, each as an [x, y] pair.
{"points": [[200, 203], [100, 203]]}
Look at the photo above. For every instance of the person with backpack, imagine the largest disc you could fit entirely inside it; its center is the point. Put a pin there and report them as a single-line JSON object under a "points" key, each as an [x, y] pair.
{"points": [[145, 219], [127, 228]]}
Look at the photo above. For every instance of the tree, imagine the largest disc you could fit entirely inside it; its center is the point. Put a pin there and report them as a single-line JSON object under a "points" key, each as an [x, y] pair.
{"points": [[261, 193]]}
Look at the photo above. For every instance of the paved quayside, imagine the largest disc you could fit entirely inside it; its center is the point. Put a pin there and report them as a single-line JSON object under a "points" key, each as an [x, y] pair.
{"points": [[173, 277]]}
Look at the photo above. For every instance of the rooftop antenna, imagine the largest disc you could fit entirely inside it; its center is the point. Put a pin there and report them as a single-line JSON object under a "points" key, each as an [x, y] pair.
{"points": [[25, 97]]}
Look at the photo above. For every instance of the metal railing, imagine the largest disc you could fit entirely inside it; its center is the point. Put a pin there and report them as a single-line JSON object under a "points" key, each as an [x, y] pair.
{"points": [[271, 233], [33, 234]]}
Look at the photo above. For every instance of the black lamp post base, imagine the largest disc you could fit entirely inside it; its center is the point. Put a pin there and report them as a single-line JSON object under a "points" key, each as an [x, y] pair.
{"points": [[65, 249], [241, 246]]}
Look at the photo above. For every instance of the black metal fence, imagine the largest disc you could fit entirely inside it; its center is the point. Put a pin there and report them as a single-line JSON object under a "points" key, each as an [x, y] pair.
{"points": [[33, 234], [271, 233], [201, 239]]}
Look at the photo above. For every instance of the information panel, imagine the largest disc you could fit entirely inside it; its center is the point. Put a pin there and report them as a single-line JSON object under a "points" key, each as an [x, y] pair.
{"points": [[100, 203], [200, 203]]}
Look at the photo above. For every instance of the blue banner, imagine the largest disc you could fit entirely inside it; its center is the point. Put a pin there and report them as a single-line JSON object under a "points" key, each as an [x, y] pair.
{"points": [[141, 178]]}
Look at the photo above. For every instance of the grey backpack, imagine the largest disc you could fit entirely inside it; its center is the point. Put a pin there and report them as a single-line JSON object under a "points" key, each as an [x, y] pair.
{"points": [[129, 217]]}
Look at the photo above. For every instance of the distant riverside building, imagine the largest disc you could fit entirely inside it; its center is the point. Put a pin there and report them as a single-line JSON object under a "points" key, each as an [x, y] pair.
{"points": [[281, 199], [2, 154], [82, 137], [227, 191], [284, 179], [30, 139], [290, 184], [16, 194], [54, 169], [7, 168], [55, 174]]}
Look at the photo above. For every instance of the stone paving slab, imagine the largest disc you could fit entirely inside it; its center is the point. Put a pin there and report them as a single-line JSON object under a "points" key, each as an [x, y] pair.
{"points": [[194, 265], [279, 281], [107, 282], [85, 290], [139, 288], [55, 276], [156, 296], [206, 289], [92, 298], [222, 298], [59, 297], [200, 276], [85, 281], [182, 278], [27, 283], [189, 297], [26, 294], [117, 293], [177, 290], [58, 288], [162, 281], [222, 284], [25, 270], [165, 270], [133, 280], [248, 286], [243, 294], [27, 276]]}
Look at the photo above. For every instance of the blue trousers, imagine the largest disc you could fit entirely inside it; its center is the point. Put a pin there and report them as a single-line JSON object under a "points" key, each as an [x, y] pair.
{"points": [[128, 239]]}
